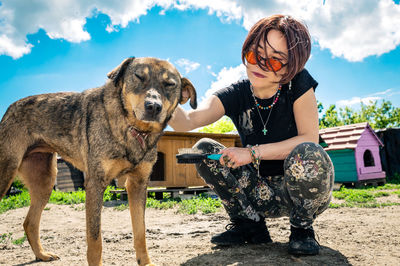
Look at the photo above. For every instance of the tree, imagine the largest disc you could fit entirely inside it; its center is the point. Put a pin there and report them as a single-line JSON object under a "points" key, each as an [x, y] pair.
{"points": [[330, 118], [378, 117], [223, 125]]}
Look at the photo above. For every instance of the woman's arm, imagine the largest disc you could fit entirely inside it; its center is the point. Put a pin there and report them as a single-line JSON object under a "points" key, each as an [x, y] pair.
{"points": [[208, 112], [306, 115]]}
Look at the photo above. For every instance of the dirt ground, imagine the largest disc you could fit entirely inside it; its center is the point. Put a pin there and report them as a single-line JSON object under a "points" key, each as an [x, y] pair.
{"points": [[348, 236]]}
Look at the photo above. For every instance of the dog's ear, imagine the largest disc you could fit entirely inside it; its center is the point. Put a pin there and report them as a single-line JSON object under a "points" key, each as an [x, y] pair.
{"points": [[188, 91], [117, 73]]}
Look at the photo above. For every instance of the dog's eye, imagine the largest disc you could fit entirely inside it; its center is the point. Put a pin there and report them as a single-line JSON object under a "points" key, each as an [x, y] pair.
{"points": [[169, 83], [140, 77]]}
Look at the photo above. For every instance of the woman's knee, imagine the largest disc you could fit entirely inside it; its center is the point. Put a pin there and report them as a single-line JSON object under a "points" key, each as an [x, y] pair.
{"points": [[308, 163], [207, 145], [208, 170]]}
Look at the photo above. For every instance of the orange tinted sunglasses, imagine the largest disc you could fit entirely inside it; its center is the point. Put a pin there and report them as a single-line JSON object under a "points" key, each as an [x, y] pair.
{"points": [[272, 65]]}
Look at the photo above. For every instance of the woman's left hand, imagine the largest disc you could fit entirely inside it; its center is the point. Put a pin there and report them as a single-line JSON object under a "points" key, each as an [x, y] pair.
{"points": [[235, 157]]}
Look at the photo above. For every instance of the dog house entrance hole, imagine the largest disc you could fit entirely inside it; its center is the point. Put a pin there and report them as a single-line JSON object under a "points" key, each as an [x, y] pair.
{"points": [[368, 159], [158, 173]]}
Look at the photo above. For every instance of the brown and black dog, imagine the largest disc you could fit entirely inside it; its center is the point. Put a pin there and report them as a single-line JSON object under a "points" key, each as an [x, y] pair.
{"points": [[107, 132]]}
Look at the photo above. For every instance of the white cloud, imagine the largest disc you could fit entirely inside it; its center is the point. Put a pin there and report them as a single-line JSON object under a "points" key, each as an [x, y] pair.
{"points": [[62, 19], [209, 69], [187, 65], [226, 77], [351, 29], [386, 94], [227, 9], [358, 100], [9, 47]]}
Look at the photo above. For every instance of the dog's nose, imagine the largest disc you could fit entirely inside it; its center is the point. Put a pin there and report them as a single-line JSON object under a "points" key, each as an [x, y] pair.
{"points": [[152, 108]]}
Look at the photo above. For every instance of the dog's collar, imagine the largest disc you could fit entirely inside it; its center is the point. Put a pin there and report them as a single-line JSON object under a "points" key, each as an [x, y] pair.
{"points": [[140, 136]]}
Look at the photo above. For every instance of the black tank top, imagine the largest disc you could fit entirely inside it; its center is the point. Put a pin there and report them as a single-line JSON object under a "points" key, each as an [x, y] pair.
{"points": [[240, 106]]}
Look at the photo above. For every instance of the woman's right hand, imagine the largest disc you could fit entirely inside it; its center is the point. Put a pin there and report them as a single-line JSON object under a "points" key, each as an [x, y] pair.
{"points": [[235, 157]]}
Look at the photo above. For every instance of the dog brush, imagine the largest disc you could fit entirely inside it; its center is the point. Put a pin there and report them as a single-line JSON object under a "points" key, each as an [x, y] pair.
{"points": [[195, 156]]}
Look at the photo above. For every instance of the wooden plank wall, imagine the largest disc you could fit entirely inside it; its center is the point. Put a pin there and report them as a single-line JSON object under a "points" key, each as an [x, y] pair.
{"points": [[184, 175], [174, 175], [68, 177], [345, 165]]}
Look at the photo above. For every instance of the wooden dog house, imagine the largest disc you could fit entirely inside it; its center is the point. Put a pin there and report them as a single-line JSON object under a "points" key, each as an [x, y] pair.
{"points": [[68, 177], [354, 150], [168, 173]]}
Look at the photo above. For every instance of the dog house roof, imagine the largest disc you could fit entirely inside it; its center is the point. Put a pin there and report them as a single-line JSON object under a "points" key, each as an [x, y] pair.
{"points": [[346, 137]]}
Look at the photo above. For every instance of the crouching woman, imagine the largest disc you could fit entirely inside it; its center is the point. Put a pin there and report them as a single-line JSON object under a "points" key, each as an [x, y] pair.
{"points": [[280, 170]]}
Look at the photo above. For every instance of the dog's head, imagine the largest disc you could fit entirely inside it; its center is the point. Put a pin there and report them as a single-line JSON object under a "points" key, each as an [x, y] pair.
{"points": [[150, 90]]}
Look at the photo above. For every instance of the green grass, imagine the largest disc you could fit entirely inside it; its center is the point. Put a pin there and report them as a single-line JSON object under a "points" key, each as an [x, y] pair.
{"points": [[67, 198], [14, 202], [363, 198], [19, 241], [167, 203], [56, 197], [202, 203], [4, 238]]}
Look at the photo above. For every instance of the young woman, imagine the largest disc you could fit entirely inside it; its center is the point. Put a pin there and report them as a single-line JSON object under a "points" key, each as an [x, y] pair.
{"points": [[280, 170]]}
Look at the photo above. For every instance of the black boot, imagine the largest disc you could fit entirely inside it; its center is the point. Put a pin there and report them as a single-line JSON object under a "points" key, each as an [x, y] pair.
{"points": [[302, 242], [241, 231]]}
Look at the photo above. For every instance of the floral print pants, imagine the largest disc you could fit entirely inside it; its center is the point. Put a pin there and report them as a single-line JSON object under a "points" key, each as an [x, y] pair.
{"points": [[303, 192]]}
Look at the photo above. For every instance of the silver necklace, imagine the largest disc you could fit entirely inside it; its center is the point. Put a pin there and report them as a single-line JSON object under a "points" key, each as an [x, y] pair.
{"points": [[270, 111]]}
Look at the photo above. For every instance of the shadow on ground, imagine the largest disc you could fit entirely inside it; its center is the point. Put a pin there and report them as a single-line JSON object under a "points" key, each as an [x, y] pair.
{"points": [[268, 254]]}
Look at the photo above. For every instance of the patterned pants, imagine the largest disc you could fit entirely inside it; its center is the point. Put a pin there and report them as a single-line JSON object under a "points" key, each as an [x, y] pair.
{"points": [[303, 192]]}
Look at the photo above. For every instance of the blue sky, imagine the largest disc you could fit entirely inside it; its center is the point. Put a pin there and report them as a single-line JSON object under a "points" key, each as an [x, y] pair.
{"points": [[54, 46]]}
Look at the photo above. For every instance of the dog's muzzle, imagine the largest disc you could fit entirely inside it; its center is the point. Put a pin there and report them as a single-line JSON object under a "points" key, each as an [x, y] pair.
{"points": [[152, 109]]}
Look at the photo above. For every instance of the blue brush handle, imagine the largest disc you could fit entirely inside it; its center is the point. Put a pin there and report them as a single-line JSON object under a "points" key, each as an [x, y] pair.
{"points": [[214, 156]]}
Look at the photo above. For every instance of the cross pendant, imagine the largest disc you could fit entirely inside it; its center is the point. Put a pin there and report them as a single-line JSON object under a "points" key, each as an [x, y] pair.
{"points": [[264, 131]]}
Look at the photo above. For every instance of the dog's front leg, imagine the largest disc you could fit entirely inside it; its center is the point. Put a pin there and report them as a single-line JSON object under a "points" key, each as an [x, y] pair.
{"points": [[94, 203], [136, 186]]}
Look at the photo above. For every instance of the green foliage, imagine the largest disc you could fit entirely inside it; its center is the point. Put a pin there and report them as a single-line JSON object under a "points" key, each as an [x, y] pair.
{"points": [[360, 197], [395, 179], [387, 186], [365, 198], [202, 203], [190, 206], [20, 240], [108, 196], [56, 197], [121, 207], [381, 194], [68, 198], [18, 183], [14, 202], [383, 116], [223, 125], [330, 118], [163, 204], [4, 238]]}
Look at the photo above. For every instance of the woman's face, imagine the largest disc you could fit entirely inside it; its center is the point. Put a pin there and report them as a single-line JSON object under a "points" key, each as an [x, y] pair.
{"points": [[276, 43]]}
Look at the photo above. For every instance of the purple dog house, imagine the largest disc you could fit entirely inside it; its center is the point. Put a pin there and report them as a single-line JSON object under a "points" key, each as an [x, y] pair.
{"points": [[354, 150]]}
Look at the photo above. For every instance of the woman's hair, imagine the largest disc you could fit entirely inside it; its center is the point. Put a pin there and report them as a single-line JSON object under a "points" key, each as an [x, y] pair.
{"points": [[297, 38]]}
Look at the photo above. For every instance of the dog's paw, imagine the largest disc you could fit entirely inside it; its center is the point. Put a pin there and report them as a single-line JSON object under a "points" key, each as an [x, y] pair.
{"points": [[47, 256]]}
